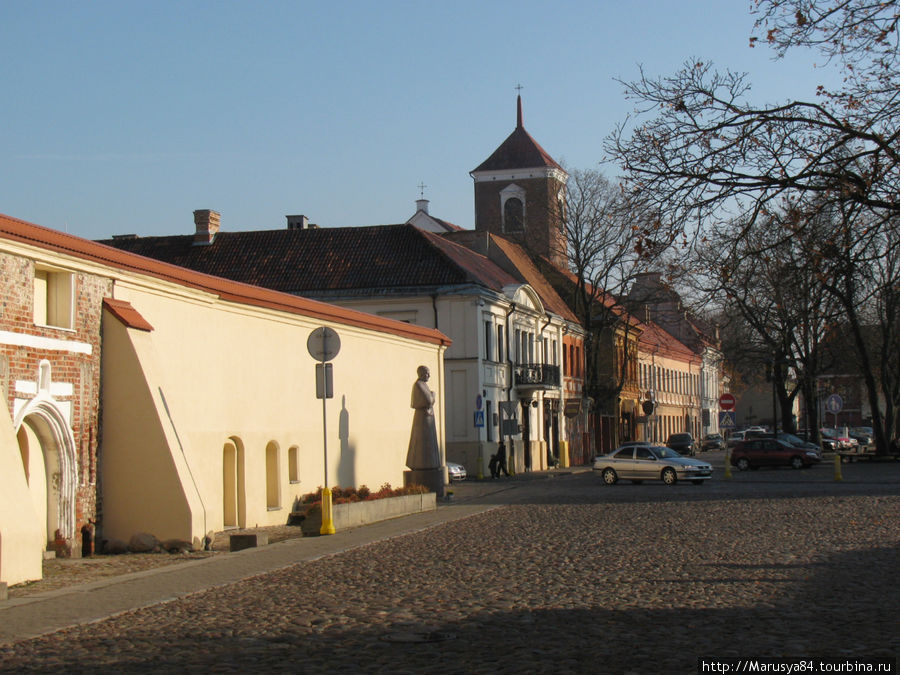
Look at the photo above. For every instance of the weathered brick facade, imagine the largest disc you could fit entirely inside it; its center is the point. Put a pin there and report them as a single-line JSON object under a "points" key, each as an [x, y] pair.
{"points": [[73, 355]]}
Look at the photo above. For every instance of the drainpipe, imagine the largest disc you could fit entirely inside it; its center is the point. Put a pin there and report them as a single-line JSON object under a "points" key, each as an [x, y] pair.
{"points": [[434, 298], [510, 455]]}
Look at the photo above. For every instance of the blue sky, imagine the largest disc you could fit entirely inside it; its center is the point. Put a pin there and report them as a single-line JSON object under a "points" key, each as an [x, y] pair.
{"points": [[124, 117]]}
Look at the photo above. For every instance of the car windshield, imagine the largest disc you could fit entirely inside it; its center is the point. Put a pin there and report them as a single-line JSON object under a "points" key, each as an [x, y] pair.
{"points": [[713, 437], [665, 453], [790, 438], [680, 438]]}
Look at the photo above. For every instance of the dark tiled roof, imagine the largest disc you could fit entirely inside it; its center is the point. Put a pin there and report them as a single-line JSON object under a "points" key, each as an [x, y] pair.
{"points": [[301, 261], [518, 151]]}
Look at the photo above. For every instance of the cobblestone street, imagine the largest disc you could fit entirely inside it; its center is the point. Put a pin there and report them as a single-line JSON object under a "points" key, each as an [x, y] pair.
{"points": [[568, 575]]}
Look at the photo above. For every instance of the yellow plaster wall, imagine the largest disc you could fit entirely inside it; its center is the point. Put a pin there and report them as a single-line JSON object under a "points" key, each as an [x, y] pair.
{"points": [[21, 542], [237, 372]]}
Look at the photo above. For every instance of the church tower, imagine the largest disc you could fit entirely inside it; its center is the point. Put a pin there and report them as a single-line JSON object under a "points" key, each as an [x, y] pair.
{"points": [[520, 193]]}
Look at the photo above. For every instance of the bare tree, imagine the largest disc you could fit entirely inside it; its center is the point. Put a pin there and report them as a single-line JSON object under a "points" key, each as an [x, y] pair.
{"points": [[609, 240], [707, 157]]}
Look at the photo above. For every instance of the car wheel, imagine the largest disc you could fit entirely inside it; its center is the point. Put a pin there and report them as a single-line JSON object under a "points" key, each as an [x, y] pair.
{"points": [[609, 476], [669, 476], [743, 464], [796, 462]]}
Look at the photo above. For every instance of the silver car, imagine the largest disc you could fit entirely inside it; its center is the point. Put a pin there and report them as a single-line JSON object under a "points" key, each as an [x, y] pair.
{"points": [[456, 471], [650, 462]]}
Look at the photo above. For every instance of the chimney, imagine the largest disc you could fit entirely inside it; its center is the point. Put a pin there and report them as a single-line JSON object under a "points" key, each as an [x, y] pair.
{"points": [[206, 222], [422, 205], [297, 222], [647, 316]]}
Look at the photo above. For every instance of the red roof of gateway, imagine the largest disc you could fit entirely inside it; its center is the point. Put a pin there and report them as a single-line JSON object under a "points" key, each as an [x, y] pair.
{"points": [[242, 293]]}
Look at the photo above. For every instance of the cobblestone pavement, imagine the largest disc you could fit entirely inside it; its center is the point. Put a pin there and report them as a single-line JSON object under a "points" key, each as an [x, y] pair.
{"points": [[61, 573], [569, 576]]}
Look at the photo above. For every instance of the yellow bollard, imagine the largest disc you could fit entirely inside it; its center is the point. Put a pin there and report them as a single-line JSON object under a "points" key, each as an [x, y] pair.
{"points": [[327, 518], [727, 462], [838, 475]]}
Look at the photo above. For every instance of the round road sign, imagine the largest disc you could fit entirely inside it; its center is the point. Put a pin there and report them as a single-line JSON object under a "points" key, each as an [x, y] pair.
{"points": [[323, 344], [727, 401]]}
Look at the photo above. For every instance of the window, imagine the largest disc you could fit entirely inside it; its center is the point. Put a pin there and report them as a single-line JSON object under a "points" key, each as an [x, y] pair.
{"points": [[488, 335], [273, 496], [500, 343], [293, 464], [53, 297], [513, 215], [489, 419]]}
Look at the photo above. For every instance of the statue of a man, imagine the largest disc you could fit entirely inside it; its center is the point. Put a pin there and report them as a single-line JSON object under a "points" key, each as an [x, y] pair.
{"points": [[423, 446]]}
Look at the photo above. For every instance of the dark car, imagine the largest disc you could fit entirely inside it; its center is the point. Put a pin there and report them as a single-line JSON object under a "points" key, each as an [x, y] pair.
{"points": [[759, 452], [683, 444], [799, 443], [712, 442]]}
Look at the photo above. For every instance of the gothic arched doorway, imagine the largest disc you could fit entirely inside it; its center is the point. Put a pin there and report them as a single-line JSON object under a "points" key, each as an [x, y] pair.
{"points": [[47, 448]]}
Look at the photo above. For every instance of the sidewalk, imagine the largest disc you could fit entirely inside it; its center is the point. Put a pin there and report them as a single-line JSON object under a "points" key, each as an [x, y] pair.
{"points": [[42, 613]]}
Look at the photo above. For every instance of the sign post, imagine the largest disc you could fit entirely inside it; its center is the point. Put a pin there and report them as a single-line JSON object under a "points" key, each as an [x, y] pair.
{"points": [[834, 404], [727, 402], [323, 345]]}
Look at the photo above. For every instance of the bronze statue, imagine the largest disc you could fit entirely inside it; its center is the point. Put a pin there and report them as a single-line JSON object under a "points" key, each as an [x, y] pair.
{"points": [[423, 446]]}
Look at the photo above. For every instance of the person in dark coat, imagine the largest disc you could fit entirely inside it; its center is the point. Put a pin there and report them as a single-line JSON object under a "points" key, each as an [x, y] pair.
{"points": [[501, 460]]}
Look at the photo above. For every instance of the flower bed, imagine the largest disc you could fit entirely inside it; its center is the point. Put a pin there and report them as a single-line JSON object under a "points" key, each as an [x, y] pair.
{"points": [[353, 507]]}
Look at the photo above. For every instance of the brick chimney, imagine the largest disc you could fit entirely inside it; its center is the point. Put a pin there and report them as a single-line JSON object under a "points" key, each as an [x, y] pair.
{"points": [[206, 222]]}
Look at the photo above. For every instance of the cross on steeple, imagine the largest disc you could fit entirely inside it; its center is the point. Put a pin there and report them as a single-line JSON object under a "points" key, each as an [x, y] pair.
{"points": [[421, 187]]}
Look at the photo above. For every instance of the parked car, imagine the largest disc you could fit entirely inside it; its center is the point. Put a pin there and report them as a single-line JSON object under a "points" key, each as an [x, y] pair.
{"points": [[712, 442], [840, 441], [757, 452], [638, 463], [683, 444], [825, 444], [799, 443], [456, 471], [736, 437], [864, 436]]}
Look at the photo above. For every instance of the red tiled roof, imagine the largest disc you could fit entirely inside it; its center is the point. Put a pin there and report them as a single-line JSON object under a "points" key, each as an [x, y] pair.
{"points": [[127, 314], [35, 235], [654, 339], [518, 151], [530, 275]]}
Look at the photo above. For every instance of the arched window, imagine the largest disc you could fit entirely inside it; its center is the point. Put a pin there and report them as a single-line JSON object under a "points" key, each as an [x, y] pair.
{"points": [[513, 215], [273, 484]]}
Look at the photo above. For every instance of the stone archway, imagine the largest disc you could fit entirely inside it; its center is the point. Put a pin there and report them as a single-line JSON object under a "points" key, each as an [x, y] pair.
{"points": [[47, 447]]}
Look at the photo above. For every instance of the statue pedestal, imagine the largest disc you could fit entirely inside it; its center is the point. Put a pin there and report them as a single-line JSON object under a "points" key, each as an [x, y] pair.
{"points": [[433, 479]]}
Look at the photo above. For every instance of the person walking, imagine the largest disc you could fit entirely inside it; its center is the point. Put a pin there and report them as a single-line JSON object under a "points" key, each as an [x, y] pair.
{"points": [[501, 460]]}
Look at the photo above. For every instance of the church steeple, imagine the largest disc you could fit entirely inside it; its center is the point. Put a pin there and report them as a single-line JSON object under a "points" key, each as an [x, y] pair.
{"points": [[519, 193]]}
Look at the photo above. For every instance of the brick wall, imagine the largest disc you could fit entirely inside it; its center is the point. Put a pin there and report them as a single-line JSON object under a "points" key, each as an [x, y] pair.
{"points": [[81, 371]]}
